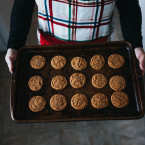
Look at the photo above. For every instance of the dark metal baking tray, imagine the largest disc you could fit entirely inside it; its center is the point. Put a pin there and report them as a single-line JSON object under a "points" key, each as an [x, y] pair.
{"points": [[21, 94]]}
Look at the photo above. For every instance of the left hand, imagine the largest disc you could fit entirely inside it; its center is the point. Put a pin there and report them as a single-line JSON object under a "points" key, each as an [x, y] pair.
{"points": [[140, 55]]}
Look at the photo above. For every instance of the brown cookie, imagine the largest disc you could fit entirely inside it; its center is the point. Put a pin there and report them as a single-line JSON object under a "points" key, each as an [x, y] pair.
{"points": [[117, 83], [116, 61], [78, 63], [59, 82], [99, 81], [58, 62], [99, 101], [37, 62], [79, 101], [119, 99], [77, 80], [58, 102], [35, 83], [97, 62], [37, 103]]}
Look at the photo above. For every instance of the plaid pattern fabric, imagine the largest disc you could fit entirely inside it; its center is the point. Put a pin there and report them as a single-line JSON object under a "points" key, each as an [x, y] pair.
{"points": [[75, 20]]}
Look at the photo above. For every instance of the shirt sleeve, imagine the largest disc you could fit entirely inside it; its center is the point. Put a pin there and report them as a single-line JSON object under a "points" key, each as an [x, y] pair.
{"points": [[131, 20], [21, 17]]}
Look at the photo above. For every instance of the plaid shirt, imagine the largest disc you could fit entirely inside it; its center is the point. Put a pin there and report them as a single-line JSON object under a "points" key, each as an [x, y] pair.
{"points": [[76, 20]]}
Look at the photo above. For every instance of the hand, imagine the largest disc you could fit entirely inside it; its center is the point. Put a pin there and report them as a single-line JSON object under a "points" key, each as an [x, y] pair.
{"points": [[140, 55], [10, 58]]}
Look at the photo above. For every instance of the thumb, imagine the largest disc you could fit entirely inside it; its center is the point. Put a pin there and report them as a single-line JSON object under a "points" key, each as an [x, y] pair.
{"points": [[142, 63]]}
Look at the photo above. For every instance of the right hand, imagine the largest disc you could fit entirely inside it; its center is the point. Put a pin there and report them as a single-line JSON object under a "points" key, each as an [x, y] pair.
{"points": [[10, 58]]}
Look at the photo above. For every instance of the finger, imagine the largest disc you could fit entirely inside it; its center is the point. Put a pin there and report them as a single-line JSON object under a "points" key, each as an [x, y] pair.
{"points": [[7, 59], [141, 64], [10, 63]]}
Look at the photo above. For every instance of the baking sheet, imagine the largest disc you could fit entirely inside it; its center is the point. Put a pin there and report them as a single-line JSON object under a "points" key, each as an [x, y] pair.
{"points": [[21, 94]]}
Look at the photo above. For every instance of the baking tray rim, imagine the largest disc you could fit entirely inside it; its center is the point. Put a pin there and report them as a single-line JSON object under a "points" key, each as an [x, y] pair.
{"points": [[139, 115]]}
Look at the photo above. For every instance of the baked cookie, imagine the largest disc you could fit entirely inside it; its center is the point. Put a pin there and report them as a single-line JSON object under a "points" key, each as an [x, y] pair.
{"points": [[58, 102], [78, 63], [99, 101], [77, 80], [99, 81], [117, 83], [119, 99], [97, 62], [116, 61], [37, 103], [37, 62], [35, 83], [58, 62], [79, 101], [59, 82]]}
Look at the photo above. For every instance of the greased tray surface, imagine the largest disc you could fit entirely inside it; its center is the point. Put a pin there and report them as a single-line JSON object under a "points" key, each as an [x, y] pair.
{"points": [[21, 94]]}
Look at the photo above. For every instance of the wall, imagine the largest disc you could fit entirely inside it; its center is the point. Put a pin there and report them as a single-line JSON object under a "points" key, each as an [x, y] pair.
{"points": [[5, 10]]}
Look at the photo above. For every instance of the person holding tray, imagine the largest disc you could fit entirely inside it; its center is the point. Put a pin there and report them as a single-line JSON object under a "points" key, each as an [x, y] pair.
{"points": [[74, 21]]}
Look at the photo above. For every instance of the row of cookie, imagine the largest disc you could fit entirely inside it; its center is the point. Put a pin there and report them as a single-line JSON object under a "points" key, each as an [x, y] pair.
{"points": [[59, 102], [77, 80], [97, 62]]}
